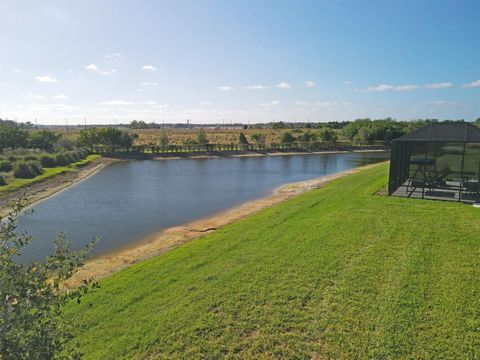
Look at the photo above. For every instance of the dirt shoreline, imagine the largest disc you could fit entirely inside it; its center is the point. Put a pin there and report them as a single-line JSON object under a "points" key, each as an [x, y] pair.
{"points": [[51, 186], [239, 153], [170, 238]]}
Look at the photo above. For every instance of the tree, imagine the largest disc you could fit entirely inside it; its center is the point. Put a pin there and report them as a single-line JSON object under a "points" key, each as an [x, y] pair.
{"points": [[287, 138], [12, 136], [279, 125], [164, 140], [202, 137], [31, 296], [327, 134], [477, 122], [242, 139], [88, 138], [307, 136], [105, 136], [259, 138], [44, 140]]}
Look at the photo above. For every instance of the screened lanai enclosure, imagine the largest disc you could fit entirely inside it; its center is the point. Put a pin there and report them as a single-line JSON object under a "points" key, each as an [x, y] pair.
{"points": [[438, 162]]}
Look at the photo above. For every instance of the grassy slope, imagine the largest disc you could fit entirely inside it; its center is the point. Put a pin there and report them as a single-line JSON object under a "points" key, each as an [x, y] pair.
{"points": [[335, 273], [15, 184]]}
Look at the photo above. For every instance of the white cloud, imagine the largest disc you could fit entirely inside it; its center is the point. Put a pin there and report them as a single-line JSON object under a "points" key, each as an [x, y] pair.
{"points": [[117, 102], [39, 97], [127, 103], [92, 67], [225, 88], [149, 68], [148, 83], [271, 103], [17, 70], [441, 102], [113, 55], [317, 104], [438, 85], [310, 84], [379, 88], [46, 78], [284, 85], [405, 87], [256, 87], [205, 103], [473, 84], [347, 82], [59, 97], [108, 72]]}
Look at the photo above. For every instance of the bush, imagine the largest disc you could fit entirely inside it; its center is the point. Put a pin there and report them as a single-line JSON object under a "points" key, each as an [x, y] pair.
{"points": [[22, 170], [36, 167], [5, 166], [2, 181], [76, 155], [30, 158], [61, 159], [12, 158], [48, 161]]}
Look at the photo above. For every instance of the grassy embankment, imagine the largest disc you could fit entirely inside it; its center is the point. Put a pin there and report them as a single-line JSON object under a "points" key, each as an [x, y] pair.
{"points": [[16, 184], [335, 273]]}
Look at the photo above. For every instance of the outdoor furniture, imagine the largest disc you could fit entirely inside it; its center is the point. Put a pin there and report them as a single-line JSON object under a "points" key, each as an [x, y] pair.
{"points": [[441, 159]]}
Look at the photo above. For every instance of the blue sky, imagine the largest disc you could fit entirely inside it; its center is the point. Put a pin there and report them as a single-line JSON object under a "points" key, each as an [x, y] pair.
{"points": [[241, 61]]}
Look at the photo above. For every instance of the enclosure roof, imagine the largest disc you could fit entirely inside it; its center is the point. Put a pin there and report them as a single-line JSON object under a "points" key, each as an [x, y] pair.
{"points": [[451, 132]]}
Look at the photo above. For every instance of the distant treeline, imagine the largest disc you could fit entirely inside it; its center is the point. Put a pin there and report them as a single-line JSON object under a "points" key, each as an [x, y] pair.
{"points": [[21, 135]]}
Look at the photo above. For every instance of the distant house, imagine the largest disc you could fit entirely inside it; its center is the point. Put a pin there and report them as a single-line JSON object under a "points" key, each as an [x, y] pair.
{"points": [[439, 161]]}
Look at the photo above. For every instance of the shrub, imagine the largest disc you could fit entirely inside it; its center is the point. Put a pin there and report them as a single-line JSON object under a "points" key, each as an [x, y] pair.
{"points": [[30, 158], [48, 161], [22, 170], [12, 158], [32, 324], [5, 166], [61, 159], [36, 167], [2, 181], [76, 156]]}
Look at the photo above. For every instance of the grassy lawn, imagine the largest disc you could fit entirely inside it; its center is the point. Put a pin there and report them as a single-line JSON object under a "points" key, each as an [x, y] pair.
{"points": [[335, 273], [15, 184]]}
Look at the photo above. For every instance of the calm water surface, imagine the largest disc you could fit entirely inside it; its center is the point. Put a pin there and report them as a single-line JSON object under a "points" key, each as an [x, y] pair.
{"points": [[130, 200]]}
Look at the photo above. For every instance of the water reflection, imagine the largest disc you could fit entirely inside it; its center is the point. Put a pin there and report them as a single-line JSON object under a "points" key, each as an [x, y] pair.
{"points": [[130, 200]]}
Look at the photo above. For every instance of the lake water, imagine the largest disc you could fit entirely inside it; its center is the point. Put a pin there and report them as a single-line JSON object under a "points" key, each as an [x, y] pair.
{"points": [[128, 201]]}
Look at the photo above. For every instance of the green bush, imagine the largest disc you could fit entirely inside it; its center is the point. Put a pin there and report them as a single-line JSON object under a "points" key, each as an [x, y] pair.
{"points": [[36, 167], [2, 181], [12, 158], [74, 155], [5, 166], [22, 170], [61, 159], [48, 161], [30, 158]]}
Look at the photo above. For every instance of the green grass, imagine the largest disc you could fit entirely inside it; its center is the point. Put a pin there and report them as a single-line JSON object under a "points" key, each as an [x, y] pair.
{"points": [[16, 184], [335, 273]]}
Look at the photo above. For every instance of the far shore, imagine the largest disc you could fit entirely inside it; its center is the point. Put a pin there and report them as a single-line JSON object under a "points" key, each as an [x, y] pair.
{"points": [[170, 238], [214, 154], [51, 186]]}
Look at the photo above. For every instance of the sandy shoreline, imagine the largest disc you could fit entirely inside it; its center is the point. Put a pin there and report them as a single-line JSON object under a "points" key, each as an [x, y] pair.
{"points": [[210, 155], [170, 238]]}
